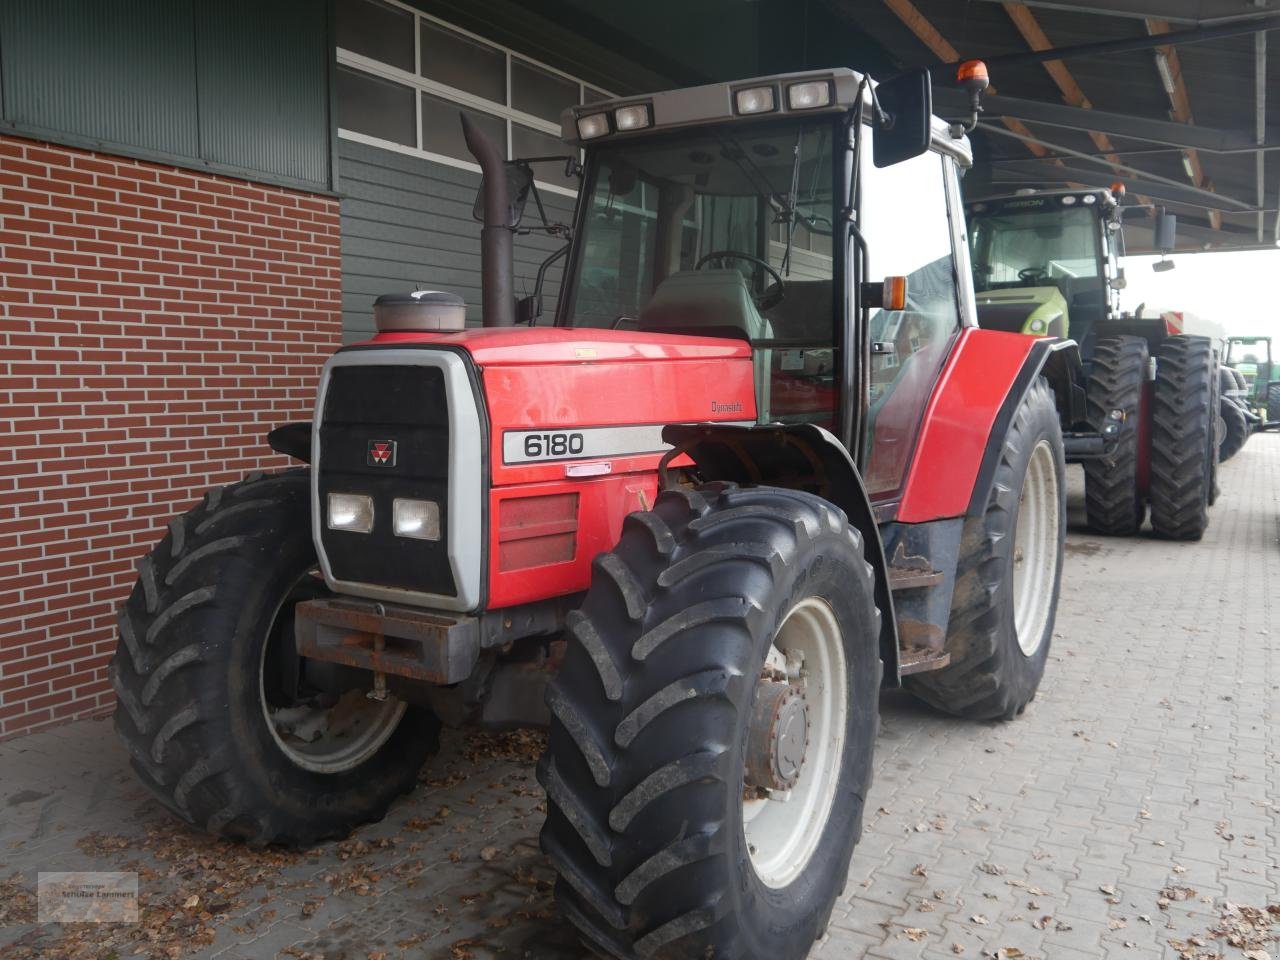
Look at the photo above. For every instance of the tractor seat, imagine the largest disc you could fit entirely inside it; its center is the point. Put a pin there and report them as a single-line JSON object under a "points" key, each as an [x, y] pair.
{"points": [[711, 303]]}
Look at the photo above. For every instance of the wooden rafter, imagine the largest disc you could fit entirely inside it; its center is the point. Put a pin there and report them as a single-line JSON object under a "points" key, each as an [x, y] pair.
{"points": [[1180, 111]]}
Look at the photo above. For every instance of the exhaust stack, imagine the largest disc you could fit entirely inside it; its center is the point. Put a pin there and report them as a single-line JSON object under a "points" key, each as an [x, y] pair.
{"points": [[498, 304]]}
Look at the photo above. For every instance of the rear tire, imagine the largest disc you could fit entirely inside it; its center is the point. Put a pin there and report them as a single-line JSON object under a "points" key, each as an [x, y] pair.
{"points": [[1236, 429], [659, 850], [201, 639], [1114, 504], [1183, 438], [1273, 402], [997, 636]]}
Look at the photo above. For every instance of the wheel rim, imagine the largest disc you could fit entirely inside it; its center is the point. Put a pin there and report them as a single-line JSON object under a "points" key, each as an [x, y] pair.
{"points": [[783, 828], [323, 739], [1035, 549]]}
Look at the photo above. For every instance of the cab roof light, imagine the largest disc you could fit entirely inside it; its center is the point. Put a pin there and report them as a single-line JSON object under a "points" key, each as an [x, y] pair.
{"points": [[809, 94], [635, 116], [973, 73], [593, 125], [755, 100], [1069, 200], [1117, 190]]}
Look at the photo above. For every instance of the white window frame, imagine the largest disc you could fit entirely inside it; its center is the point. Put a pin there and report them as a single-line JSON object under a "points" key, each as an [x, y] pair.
{"points": [[422, 85]]}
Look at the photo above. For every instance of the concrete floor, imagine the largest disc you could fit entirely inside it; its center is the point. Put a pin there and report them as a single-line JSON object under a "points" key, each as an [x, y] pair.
{"points": [[1133, 812]]}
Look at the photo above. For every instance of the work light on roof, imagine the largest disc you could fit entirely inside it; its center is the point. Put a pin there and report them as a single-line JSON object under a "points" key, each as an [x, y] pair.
{"points": [[1068, 200], [634, 117], [593, 125], [1090, 198], [755, 100], [809, 95]]}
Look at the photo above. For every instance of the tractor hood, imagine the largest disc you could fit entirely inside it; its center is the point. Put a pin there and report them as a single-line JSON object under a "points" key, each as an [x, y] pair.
{"points": [[1035, 311], [521, 346]]}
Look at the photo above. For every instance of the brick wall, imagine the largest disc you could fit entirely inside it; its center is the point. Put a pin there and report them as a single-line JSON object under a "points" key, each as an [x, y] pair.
{"points": [[154, 324]]}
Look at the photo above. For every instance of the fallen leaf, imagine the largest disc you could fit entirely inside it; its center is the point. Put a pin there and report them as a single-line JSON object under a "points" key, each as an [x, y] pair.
{"points": [[979, 918], [915, 934], [957, 948], [488, 853], [1117, 923], [919, 870], [1109, 889], [191, 901], [992, 868]]}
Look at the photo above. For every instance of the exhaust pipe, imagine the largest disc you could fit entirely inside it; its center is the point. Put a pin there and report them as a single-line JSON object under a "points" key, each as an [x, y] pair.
{"points": [[497, 285]]}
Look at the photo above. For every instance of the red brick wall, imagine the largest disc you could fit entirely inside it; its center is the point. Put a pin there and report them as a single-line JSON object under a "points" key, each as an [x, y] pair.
{"points": [[154, 324]]}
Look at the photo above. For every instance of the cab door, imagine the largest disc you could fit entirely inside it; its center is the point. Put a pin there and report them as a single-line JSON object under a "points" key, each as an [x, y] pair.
{"points": [[906, 215]]}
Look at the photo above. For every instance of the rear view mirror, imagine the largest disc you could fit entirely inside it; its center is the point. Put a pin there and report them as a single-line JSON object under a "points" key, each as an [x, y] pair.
{"points": [[519, 181], [907, 101], [1163, 266], [1166, 231]]}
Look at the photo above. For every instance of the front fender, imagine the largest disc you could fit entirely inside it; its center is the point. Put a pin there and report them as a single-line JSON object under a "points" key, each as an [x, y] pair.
{"points": [[798, 457]]}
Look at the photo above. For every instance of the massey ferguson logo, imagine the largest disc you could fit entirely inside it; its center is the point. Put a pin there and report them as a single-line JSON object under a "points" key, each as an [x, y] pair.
{"points": [[382, 453]]}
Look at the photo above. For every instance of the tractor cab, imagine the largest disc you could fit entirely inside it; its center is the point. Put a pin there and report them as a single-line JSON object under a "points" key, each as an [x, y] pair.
{"points": [[1045, 263]]}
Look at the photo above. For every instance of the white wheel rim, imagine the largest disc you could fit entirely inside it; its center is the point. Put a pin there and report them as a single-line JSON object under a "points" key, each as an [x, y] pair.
{"points": [[332, 739], [1035, 549], [782, 831]]}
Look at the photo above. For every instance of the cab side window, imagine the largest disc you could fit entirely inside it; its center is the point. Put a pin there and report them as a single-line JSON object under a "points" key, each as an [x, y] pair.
{"points": [[904, 218]]}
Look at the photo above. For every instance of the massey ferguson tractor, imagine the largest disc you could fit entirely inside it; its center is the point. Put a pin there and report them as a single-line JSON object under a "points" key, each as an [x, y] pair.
{"points": [[761, 464], [1047, 263]]}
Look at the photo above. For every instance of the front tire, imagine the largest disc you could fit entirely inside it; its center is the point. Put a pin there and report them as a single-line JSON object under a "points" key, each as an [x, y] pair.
{"points": [[1183, 437], [1273, 402], [202, 705], [1114, 502], [664, 844], [1008, 576]]}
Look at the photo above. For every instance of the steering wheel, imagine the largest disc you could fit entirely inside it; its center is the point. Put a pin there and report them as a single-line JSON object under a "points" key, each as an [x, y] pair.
{"points": [[768, 298], [1033, 274]]}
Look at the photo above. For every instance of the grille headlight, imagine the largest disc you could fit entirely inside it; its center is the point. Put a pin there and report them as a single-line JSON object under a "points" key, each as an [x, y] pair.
{"points": [[634, 117], [352, 512], [808, 96], [593, 125], [419, 519], [755, 100]]}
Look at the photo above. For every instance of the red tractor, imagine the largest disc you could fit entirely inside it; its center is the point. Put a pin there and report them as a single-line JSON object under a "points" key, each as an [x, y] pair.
{"points": [[762, 464]]}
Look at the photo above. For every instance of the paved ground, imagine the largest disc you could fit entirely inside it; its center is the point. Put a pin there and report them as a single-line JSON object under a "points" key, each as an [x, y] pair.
{"points": [[1133, 812]]}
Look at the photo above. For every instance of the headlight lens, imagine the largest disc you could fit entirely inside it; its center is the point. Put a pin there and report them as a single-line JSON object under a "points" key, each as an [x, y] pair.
{"points": [[1068, 201], [352, 512], [807, 96], [419, 519], [593, 125], [634, 117], [755, 100]]}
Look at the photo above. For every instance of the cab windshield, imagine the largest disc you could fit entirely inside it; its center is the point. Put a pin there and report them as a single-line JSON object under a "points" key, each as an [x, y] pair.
{"points": [[689, 233], [1029, 247]]}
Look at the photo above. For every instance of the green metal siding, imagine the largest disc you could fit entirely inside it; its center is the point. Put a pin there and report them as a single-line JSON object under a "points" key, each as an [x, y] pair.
{"points": [[406, 224], [263, 79], [230, 86], [114, 72]]}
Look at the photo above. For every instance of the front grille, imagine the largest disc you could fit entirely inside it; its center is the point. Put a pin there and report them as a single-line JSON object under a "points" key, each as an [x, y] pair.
{"points": [[373, 404]]}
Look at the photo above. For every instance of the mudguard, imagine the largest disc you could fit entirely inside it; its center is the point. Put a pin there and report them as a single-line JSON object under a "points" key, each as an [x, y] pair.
{"points": [[973, 403], [799, 457]]}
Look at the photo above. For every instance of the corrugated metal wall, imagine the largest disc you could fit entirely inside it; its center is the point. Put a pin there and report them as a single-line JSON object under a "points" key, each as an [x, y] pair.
{"points": [[234, 86], [406, 224]]}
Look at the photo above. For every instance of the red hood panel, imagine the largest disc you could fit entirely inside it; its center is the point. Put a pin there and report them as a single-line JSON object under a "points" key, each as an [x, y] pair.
{"points": [[536, 345]]}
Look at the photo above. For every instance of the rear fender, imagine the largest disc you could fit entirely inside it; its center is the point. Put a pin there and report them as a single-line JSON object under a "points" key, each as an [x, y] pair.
{"points": [[1058, 361], [798, 457]]}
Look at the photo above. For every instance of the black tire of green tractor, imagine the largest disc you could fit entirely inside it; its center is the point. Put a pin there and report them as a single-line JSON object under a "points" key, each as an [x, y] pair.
{"points": [[644, 768], [990, 677], [1184, 444], [1236, 429], [1273, 402], [1241, 382], [1114, 503], [188, 676]]}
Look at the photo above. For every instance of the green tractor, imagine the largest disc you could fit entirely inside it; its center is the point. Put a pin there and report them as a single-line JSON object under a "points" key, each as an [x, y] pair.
{"points": [[1257, 388], [1047, 263]]}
